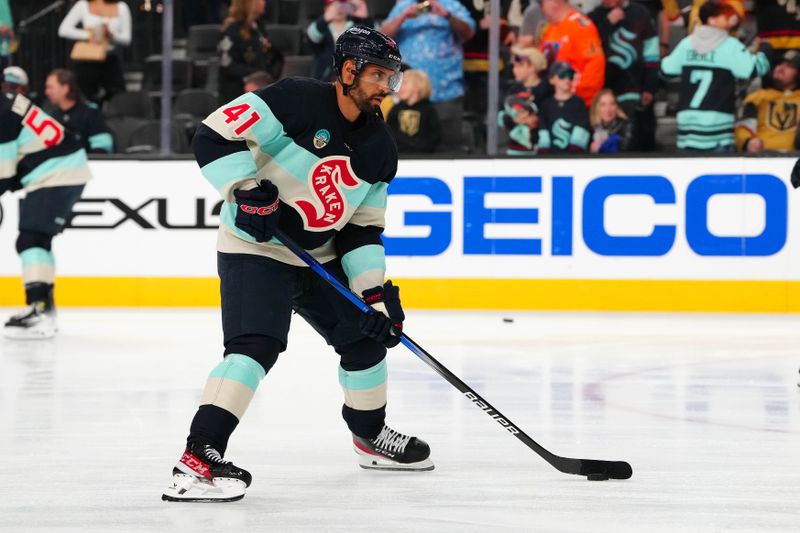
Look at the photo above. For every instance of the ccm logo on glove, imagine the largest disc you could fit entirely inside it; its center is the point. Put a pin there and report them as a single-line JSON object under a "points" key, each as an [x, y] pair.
{"points": [[261, 211], [258, 210]]}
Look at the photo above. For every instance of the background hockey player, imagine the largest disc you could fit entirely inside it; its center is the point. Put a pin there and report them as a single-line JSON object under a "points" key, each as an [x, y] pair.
{"points": [[38, 155], [81, 117], [314, 159]]}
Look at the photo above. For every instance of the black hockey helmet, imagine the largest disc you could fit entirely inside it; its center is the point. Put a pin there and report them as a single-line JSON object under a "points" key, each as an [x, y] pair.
{"points": [[365, 46]]}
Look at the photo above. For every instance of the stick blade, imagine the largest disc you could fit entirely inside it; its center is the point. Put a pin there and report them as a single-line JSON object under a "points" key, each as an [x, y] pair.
{"points": [[609, 469], [796, 174]]}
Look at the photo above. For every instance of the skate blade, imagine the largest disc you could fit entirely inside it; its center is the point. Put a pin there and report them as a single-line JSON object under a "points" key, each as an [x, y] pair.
{"points": [[370, 462], [16, 333], [185, 488]]}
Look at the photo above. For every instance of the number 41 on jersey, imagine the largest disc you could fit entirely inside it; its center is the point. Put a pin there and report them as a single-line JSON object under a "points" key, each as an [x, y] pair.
{"points": [[234, 113]]}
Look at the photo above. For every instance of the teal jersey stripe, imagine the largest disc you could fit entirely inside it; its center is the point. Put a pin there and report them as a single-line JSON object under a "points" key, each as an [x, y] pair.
{"points": [[314, 34], [376, 196], [363, 259], [230, 168], [239, 368], [227, 216], [26, 136], [364, 379], [544, 139], [8, 151], [633, 97], [73, 160], [579, 137], [704, 119], [102, 141], [650, 50], [698, 137], [37, 256]]}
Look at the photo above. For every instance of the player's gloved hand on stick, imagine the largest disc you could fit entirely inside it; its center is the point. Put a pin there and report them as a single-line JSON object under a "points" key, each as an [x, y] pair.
{"points": [[257, 210], [385, 324]]}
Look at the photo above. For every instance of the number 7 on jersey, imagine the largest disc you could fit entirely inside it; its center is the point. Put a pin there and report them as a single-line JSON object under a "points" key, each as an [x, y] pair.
{"points": [[235, 112]]}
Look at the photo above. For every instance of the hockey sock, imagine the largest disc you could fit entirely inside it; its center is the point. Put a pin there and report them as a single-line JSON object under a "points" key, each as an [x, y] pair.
{"points": [[38, 266], [229, 389], [364, 407]]}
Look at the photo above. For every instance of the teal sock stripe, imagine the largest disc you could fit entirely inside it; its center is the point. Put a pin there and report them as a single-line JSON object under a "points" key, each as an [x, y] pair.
{"points": [[363, 379], [36, 256], [238, 367]]}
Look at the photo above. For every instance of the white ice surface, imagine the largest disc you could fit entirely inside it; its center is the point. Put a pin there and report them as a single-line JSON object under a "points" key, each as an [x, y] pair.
{"points": [[704, 407]]}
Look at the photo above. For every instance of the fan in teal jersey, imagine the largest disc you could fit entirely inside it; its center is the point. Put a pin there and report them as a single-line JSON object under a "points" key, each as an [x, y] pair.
{"points": [[313, 159], [38, 155], [709, 62]]}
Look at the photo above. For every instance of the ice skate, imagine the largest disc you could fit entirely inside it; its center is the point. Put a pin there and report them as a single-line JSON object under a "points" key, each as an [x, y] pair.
{"points": [[391, 450], [36, 322], [201, 475]]}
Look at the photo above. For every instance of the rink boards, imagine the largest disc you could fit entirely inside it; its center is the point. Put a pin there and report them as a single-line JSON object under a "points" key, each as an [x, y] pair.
{"points": [[700, 234]]}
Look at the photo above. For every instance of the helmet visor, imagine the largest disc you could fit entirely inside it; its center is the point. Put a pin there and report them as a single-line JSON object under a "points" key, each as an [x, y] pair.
{"points": [[392, 80]]}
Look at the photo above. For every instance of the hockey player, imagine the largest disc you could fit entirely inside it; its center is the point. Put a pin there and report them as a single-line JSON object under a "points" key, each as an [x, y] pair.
{"points": [[315, 160], [37, 154]]}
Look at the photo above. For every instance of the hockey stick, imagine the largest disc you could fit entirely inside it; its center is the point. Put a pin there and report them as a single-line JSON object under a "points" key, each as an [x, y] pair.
{"points": [[594, 469]]}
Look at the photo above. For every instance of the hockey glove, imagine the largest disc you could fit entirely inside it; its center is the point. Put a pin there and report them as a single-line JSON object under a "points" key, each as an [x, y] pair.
{"points": [[257, 210], [385, 323]]}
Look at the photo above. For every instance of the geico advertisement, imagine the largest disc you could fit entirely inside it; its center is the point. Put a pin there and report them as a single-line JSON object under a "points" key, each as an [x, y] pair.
{"points": [[709, 218]]}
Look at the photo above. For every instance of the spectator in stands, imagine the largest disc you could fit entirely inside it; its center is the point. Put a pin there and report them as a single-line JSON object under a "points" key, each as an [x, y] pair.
{"points": [[630, 44], [15, 81], [339, 15], [778, 23], [563, 119], [107, 25], [663, 14], [770, 116], [244, 48], [520, 118], [413, 120], [534, 21], [733, 22], [612, 132], [257, 80], [572, 37], [430, 33], [8, 41], [85, 120], [708, 62], [527, 65]]}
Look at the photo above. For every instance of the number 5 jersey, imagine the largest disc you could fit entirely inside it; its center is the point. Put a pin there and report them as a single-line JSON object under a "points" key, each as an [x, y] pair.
{"points": [[35, 150], [331, 174]]}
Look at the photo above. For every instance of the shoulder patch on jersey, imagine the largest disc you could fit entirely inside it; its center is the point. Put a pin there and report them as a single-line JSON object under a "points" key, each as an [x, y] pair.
{"points": [[321, 138], [20, 105]]}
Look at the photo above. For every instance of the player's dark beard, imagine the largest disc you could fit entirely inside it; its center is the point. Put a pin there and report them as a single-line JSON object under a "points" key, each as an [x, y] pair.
{"points": [[363, 100]]}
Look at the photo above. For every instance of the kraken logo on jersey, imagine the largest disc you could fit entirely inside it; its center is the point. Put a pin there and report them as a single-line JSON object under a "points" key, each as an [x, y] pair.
{"points": [[325, 181], [624, 53], [408, 119], [782, 115], [321, 138], [561, 132]]}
